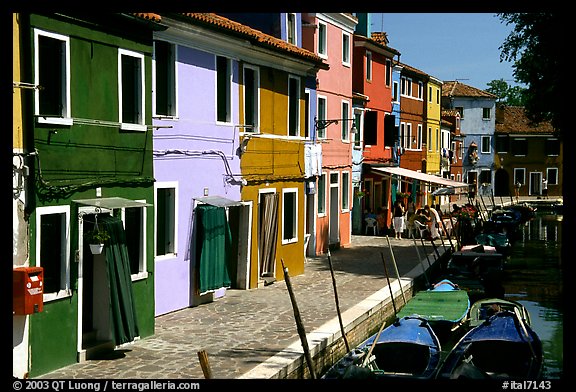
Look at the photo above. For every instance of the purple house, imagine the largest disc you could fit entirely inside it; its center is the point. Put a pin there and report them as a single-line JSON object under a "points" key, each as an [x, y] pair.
{"points": [[197, 164]]}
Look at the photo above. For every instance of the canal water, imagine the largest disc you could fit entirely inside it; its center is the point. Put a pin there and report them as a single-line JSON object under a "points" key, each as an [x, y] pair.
{"points": [[534, 277]]}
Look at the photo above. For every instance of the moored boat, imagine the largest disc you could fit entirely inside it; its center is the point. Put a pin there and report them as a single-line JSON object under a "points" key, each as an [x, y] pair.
{"points": [[482, 309], [408, 348], [501, 347]]}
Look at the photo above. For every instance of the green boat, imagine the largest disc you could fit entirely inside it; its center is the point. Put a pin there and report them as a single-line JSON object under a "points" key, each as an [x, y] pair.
{"points": [[445, 306]]}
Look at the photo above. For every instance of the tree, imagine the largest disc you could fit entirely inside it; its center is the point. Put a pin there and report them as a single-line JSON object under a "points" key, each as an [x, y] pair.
{"points": [[537, 46], [508, 95]]}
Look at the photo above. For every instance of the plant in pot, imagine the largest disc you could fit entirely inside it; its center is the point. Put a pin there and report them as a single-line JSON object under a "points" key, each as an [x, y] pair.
{"points": [[96, 239]]}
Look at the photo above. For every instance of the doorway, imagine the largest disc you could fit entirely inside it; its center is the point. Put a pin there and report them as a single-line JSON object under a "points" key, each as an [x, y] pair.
{"points": [[334, 232], [535, 183]]}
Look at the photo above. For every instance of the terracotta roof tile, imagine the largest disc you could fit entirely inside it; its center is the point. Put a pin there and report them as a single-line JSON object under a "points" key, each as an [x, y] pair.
{"points": [[513, 119], [255, 36], [458, 89], [148, 16]]}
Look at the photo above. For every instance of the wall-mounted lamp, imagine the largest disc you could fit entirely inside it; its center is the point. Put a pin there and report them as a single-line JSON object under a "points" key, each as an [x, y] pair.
{"points": [[323, 124]]}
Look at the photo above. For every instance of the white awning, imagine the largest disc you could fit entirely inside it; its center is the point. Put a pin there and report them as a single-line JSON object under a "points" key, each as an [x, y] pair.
{"points": [[399, 171], [218, 201], [112, 202]]}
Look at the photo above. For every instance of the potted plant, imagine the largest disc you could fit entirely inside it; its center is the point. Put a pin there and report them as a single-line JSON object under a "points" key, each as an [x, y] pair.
{"points": [[96, 239]]}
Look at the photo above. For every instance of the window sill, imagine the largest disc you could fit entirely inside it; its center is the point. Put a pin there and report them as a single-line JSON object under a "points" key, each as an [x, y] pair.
{"points": [[133, 127], [68, 121]]}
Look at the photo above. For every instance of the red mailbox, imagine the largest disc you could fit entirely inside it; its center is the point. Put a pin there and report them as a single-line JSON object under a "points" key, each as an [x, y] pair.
{"points": [[27, 290]]}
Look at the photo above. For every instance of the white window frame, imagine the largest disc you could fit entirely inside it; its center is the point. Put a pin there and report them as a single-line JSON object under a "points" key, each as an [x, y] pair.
{"points": [[395, 91], [295, 217], [141, 124], [174, 185], [368, 66], [346, 44], [429, 138], [323, 117], [64, 291], [408, 140], [322, 46], [345, 192], [420, 90], [552, 169], [142, 271], [256, 71], [519, 170], [489, 114], [345, 126], [294, 28], [482, 151], [419, 136], [174, 81], [298, 109], [66, 118], [324, 204], [229, 73]]}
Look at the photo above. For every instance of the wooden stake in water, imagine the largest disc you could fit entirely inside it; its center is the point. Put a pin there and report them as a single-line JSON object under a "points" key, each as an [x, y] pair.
{"points": [[205, 364], [338, 304], [299, 325], [396, 269]]}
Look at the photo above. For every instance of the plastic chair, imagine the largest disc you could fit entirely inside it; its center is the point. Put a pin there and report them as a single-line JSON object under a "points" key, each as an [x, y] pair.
{"points": [[371, 223], [422, 228]]}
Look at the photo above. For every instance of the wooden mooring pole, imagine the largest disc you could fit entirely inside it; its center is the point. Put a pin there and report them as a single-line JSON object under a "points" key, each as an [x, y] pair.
{"points": [[338, 304], [205, 364], [299, 325]]}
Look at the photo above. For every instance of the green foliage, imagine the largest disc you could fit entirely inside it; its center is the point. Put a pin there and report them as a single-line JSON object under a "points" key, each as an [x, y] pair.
{"points": [[508, 95], [536, 45], [96, 236]]}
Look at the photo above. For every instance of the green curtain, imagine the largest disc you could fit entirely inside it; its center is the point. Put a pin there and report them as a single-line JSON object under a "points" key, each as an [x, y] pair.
{"points": [[213, 241], [122, 308], [394, 190], [415, 186]]}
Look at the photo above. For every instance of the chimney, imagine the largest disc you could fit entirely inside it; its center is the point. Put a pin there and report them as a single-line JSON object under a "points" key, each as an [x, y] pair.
{"points": [[380, 37]]}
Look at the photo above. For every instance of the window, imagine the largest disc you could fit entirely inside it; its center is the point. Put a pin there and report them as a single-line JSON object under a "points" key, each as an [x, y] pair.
{"points": [[166, 214], [460, 110], [131, 82], [52, 72], [53, 249], [164, 79], [345, 48], [429, 93], [429, 139], [502, 144], [345, 191], [485, 145], [402, 134], [388, 71], [395, 91], [390, 130], [293, 106], [307, 113], [291, 27], [321, 116], [251, 99], [519, 147], [460, 151], [406, 86], [408, 140], [358, 125], [485, 113], [322, 52], [369, 66], [419, 136], [370, 128], [289, 215], [485, 177], [322, 194], [438, 96], [420, 90], [223, 95], [345, 123], [520, 176], [552, 147], [552, 176], [437, 141], [134, 219]]}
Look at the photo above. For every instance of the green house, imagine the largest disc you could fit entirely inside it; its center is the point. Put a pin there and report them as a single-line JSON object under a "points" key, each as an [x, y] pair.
{"points": [[87, 127]]}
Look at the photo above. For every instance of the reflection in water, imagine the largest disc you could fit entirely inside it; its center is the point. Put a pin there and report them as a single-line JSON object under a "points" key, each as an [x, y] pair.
{"points": [[534, 278]]}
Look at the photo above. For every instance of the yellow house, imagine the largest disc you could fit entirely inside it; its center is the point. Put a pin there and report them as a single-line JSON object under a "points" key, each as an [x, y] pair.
{"points": [[273, 114], [433, 98]]}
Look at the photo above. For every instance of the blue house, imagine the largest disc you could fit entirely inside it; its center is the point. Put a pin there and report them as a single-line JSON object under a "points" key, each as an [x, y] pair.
{"points": [[477, 126]]}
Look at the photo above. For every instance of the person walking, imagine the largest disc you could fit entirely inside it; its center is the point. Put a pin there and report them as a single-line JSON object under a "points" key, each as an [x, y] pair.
{"points": [[545, 187], [517, 187], [434, 221], [398, 214]]}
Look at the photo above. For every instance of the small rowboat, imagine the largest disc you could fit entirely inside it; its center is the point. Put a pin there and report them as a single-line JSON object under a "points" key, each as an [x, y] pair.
{"points": [[408, 348], [501, 347]]}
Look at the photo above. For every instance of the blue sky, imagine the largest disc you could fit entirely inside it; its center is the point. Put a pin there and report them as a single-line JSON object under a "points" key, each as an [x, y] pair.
{"points": [[449, 46]]}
